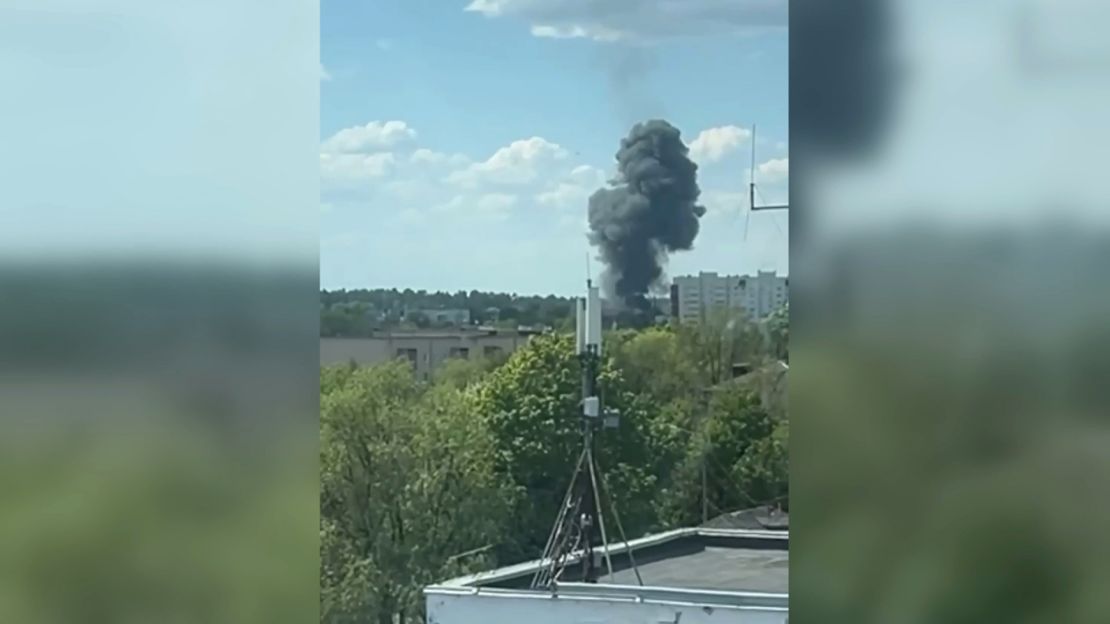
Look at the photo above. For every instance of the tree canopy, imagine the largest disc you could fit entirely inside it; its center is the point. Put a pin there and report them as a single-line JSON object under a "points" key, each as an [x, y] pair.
{"points": [[417, 474]]}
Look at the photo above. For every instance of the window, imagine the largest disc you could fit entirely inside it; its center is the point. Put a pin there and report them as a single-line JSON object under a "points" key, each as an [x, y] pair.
{"points": [[460, 352], [491, 351], [407, 354]]}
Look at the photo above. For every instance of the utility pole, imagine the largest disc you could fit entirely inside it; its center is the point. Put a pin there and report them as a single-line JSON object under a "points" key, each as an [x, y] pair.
{"points": [[704, 492], [705, 457]]}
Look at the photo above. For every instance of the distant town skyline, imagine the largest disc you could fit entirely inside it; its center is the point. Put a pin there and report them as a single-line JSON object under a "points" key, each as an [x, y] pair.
{"points": [[459, 142]]}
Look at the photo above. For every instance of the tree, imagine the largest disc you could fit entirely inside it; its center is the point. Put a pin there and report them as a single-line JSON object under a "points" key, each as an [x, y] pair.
{"points": [[741, 449], [407, 483], [724, 338], [778, 333], [460, 373], [653, 363], [531, 405]]}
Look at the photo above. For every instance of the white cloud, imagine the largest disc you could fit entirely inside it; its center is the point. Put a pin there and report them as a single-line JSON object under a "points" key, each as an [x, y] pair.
{"points": [[489, 206], [496, 204], [575, 222], [629, 20], [713, 144], [412, 216], [588, 175], [324, 74], [563, 195], [424, 155], [773, 171], [452, 205], [372, 137], [597, 33], [515, 164], [341, 168], [721, 203], [575, 190], [407, 189]]}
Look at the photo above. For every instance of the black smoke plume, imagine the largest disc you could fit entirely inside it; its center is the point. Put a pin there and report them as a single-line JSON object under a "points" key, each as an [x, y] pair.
{"points": [[650, 211]]}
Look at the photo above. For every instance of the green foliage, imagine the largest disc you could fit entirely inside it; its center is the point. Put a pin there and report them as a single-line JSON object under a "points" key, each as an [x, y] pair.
{"points": [[460, 373], [778, 332], [742, 450], [407, 482], [531, 405], [762, 472], [413, 473], [149, 518], [353, 321], [357, 312], [725, 338], [654, 362]]}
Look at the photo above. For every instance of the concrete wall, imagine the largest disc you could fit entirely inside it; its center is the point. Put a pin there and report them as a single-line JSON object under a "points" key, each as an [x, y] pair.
{"points": [[431, 349], [488, 608]]}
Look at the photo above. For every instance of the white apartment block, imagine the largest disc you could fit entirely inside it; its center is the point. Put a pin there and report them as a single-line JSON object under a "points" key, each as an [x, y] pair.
{"points": [[695, 296]]}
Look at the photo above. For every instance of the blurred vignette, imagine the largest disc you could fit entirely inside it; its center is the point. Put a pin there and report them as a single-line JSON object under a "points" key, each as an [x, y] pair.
{"points": [[951, 340], [158, 341]]}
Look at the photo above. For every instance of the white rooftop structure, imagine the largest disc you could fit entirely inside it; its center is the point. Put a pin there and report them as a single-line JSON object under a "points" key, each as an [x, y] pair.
{"points": [[693, 576]]}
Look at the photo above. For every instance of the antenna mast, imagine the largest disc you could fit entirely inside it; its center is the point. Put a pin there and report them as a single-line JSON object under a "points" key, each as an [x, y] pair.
{"points": [[751, 175], [751, 186], [580, 520]]}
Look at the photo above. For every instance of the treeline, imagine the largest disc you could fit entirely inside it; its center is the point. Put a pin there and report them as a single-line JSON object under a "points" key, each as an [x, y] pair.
{"points": [[425, 481], [360, 312]]}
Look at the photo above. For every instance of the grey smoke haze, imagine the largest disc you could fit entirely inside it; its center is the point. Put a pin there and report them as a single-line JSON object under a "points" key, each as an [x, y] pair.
{"points": [[650, 211], [629, 71]]}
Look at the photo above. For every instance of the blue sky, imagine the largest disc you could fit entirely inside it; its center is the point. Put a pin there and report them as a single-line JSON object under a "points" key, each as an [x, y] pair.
{"points": [[459, 141], [177, 129]]}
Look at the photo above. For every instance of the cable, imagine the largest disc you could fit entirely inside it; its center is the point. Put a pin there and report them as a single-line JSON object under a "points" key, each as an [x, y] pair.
{"points": [[557, 529]]}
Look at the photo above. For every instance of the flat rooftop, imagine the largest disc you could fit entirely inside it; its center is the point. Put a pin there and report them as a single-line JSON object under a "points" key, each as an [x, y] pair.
{"points": [[699, 559], [727, 569]]}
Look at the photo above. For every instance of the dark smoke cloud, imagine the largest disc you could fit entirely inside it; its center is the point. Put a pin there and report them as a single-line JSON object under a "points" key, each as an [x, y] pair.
{"points": [[650, 211]]}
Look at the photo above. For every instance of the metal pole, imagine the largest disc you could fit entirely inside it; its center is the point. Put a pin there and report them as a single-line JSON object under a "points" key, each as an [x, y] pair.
{"points": [[705, 458], [601, 519], [704, 491]]}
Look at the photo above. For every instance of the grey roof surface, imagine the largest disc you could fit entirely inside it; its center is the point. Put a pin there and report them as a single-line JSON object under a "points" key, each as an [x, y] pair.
{"points": [[701, 559], [732, 569]]}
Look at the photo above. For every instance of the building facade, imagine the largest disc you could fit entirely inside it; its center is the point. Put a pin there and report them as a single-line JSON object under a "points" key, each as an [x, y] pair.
{"points": [[694, 297], [426, 350]]}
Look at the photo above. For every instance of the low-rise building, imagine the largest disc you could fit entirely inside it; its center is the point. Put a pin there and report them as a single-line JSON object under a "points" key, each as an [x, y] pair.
{"points": [[426, 349], [693, 576]]}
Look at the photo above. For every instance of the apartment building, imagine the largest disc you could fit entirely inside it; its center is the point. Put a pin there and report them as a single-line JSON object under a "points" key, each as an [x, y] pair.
{"points": [[695, 296]]}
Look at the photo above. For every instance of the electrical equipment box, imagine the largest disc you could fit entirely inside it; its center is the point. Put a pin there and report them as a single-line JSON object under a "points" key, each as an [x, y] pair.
{"points": [[591, 407]]}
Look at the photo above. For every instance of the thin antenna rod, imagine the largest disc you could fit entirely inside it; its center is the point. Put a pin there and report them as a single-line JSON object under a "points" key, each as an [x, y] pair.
{"points": [[589, 273], [751, 174]]}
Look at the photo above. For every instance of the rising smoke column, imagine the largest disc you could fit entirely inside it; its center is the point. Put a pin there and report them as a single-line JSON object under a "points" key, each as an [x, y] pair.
{"points": [[651, 210]]}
